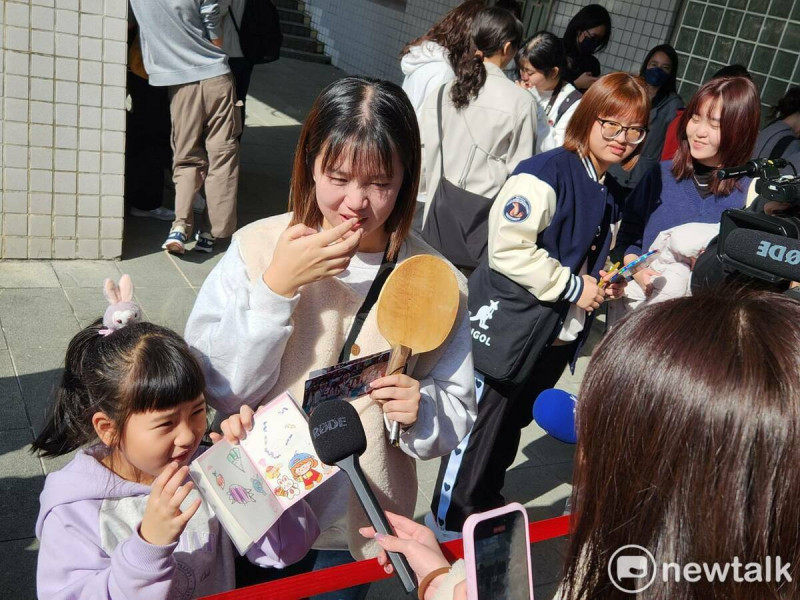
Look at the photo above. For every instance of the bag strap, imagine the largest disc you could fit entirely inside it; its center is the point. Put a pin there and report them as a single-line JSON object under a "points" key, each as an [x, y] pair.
{"points": [[439, 123], [779, 148], [564, 106], [386, 268], [236, 25], [554, 97]]}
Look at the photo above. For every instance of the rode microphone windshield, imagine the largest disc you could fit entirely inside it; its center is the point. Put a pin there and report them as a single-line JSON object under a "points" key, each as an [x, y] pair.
{"points": [[339, 439], [765, 252]]}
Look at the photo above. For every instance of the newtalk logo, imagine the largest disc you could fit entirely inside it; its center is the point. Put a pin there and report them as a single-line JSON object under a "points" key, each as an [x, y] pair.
{"points": [[633, 569]]}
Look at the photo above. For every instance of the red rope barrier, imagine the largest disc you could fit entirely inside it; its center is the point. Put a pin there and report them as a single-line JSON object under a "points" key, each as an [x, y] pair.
{"points": [[365, 571]]}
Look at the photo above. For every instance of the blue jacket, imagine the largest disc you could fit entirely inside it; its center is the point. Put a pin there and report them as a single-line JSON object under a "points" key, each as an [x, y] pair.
{"points": [[550, 217]]}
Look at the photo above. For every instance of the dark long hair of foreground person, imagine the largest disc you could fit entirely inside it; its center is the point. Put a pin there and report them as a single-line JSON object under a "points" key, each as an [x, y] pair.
{"points": [[689, 445]]}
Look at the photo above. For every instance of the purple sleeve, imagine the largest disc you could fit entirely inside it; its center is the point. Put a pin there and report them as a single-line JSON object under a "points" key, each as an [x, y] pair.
{"points": [[72, 564], [288, 540]]}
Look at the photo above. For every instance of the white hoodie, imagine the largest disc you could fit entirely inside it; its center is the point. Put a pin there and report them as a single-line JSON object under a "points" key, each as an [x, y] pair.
{"points": [[426, 68]]}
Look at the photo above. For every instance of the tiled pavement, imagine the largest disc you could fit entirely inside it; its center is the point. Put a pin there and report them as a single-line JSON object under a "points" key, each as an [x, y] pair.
{"points": [[43, 304]]}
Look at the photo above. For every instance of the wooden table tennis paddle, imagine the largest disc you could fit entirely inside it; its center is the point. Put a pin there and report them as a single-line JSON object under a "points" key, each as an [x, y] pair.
{"points": [[416, 310]]}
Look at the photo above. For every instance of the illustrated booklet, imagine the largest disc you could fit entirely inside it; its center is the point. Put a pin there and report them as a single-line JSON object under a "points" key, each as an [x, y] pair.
{"points": [[251, 484]]}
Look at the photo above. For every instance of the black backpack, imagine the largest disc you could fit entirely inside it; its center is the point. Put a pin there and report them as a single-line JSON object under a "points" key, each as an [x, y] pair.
{"points": [[260, 35]]}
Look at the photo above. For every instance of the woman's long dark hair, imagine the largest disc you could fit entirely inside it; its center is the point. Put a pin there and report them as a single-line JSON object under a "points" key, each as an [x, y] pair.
{"points": [[138, 368], [366, 120], [588, 17], [688, 426], [544, 51], [452, 31], [669, 85], [492, 28]]}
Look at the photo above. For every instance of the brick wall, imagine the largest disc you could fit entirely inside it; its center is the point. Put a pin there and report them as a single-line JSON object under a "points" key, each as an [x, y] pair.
{"points": [[62, 127]]}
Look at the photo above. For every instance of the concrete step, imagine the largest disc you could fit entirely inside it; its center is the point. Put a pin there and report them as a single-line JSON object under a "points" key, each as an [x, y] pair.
{"points": [[305, 56], [298, 29], [305, 44], [289, 15]]}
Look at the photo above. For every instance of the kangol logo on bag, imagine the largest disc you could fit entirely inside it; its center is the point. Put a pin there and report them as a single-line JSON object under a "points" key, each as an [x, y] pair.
{"points": [[483, 316]]}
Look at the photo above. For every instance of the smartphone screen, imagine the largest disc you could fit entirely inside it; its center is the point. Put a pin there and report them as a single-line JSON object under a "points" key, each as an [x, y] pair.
{"points": [[501, 558]]}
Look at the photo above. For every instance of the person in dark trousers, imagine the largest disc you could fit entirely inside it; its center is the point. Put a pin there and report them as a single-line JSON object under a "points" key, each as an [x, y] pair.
{"points": [[587, 34], [550, 233], [147, 149]]}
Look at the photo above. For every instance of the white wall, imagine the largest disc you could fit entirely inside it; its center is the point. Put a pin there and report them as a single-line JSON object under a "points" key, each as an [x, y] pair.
{"points": [[365, 37], [62, 127]]}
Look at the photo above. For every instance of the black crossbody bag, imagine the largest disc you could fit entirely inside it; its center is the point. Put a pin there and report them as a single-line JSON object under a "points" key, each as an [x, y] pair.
{"points": [[510, 326], [458, 221]]}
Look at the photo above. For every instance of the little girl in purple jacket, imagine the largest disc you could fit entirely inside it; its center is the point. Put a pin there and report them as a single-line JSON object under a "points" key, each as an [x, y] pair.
{"points": [[121, 520]]}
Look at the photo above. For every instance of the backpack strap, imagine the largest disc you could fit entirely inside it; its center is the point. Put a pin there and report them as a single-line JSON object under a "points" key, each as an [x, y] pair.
{"points": [[779, 148], [236, 26], [573, 97], [439, 100]]}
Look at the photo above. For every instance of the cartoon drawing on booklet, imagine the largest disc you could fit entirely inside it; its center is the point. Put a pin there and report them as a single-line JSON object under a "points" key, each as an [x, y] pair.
{"points": [[302, 469]]}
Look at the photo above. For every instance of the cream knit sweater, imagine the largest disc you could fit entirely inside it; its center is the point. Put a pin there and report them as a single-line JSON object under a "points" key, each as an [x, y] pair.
{"points": [[254, 344]]}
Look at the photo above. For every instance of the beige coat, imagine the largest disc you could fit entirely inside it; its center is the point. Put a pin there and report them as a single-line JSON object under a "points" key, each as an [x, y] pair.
{"points": [[484, 141], [322, 320]]}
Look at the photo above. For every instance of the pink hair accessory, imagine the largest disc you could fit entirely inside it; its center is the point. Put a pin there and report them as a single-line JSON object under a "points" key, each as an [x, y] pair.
{"points": [[122, 309]]}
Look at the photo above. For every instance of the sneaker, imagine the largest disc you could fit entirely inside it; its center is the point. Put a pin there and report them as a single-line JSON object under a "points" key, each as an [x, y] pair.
{"points": [[205, 242], [176, 241], [442, 535], [160, 213], [199, 204]]}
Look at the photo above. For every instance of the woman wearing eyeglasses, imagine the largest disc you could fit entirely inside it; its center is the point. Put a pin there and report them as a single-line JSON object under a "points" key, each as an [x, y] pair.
{"points": [[718, 129], [549, 232]]}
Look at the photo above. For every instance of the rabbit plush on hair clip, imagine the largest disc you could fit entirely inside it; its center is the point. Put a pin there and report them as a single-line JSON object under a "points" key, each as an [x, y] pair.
{"points": [[122, 309]]}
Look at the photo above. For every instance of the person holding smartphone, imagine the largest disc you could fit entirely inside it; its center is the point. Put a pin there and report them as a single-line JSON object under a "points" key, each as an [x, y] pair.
{"points": [[731, 492]]}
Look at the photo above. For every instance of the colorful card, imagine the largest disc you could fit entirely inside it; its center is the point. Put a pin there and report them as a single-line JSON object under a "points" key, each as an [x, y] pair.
{"points": [[251, 484], [345, 381]]}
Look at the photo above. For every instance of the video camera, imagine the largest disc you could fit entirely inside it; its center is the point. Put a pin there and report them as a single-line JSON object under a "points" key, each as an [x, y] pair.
{"points": [[758, 244]]}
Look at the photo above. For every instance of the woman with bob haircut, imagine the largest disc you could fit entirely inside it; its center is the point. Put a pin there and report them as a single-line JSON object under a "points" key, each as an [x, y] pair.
{"points": [[289, 297], [694, 460], [550, 233], [718, 129]]}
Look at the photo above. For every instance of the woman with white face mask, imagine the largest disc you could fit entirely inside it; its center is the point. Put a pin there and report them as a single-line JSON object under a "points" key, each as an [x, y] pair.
{"points": [[659, 71]]}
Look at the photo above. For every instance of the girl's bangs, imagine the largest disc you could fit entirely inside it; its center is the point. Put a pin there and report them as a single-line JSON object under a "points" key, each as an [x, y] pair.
{"points": [[368, 153], [163, 376]]}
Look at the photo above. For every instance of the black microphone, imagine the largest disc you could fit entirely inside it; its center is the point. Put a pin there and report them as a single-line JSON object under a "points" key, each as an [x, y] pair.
{"points": [[751, 168], [339, 439], [766, 252]]}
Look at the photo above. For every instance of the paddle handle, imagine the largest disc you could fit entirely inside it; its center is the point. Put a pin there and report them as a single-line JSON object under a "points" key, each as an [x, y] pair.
{"points": [[397, 364]]}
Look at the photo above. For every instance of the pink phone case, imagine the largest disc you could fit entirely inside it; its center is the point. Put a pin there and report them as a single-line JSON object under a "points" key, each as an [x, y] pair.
{"points": [[469, 545]]}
